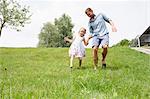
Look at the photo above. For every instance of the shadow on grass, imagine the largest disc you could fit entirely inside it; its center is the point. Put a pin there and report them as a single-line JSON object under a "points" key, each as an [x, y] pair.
{"points": [[112, 67], [83, 67], [108, 67]]}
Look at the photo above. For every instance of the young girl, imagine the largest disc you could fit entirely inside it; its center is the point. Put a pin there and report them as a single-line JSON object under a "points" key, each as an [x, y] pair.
{"points": [[77, 48]]}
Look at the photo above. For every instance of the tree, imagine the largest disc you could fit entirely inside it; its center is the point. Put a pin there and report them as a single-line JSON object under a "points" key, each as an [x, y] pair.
{"points": [[123, 42], [53, 35], [64, 26], [49, 36], [134, 43], [13, 15]]}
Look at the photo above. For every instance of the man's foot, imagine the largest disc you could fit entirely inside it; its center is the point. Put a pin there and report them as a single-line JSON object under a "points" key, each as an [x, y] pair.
{"points": [[79, 67], [103, 65]]}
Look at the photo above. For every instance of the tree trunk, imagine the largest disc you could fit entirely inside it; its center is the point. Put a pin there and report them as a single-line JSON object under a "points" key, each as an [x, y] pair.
{"points": [[2, 25]]}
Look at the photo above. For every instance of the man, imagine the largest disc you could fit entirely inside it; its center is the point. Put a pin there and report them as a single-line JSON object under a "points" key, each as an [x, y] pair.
{"points": [[99, 34]]}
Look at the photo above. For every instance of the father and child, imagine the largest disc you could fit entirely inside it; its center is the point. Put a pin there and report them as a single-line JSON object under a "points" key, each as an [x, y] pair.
{"points": [[99, 35]]}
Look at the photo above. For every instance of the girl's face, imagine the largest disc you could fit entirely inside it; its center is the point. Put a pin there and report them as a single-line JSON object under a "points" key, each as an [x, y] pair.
{"points": [[82, 32]]}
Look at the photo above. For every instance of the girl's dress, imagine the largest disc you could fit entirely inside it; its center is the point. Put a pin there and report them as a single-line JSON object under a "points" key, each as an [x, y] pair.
{"points": [[77, 48]]}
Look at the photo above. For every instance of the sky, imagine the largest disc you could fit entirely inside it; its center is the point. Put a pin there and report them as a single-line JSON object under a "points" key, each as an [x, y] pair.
{"points": [[131, 18]]}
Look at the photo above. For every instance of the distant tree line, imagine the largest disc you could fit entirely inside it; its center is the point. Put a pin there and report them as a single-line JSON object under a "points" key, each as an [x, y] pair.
{"points": [[52, 35], [123, 42]]}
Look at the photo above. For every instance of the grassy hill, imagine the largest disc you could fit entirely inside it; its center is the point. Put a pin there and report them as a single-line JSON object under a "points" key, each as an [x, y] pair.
{"points": [[44, 73]]}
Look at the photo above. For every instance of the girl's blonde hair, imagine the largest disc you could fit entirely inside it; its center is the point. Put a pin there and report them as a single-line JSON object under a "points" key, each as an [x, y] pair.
{"points": [[83, 29]]}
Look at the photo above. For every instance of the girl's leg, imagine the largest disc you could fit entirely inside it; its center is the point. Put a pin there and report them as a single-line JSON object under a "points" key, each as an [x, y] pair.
{"points": [[80, 61], [71, 61]]}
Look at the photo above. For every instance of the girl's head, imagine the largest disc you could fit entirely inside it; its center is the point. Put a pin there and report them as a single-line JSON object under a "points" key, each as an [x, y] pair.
{"points": [[82, 32]]}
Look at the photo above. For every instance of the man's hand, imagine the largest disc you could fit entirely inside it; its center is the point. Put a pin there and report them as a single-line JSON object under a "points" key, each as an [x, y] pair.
{"points": [[89, 37], [114, 29]]}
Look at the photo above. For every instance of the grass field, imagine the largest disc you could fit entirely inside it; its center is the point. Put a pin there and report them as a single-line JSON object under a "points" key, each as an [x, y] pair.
{"points": [[44, 73]]}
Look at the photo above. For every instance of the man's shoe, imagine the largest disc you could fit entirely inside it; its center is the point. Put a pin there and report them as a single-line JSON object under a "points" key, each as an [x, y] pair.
{"points": [[103, 66]]}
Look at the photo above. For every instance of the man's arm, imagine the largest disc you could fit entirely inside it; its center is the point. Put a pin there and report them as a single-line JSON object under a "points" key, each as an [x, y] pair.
{"points": [[114, 29]]}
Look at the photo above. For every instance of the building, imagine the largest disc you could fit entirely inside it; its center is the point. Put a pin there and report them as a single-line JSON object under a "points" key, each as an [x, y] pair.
{"points": [[144, 39], [141, 40]]}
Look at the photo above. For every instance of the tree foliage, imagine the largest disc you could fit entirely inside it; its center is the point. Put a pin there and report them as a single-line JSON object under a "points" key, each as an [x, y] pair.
{"points": [[123, 42], [13, 15], [49, 36], [53, 35], [64, 27]]}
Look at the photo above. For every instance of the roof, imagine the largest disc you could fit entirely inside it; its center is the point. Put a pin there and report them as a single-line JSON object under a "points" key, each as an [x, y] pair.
{"points": [[147, 31]]}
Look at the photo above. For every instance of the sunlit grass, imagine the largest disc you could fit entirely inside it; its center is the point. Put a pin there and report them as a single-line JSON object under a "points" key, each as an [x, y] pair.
{"points": [[30, 73]]}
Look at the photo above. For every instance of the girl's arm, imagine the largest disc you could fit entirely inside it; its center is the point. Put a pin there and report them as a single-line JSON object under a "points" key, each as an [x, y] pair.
{"points": [[85, 42]]}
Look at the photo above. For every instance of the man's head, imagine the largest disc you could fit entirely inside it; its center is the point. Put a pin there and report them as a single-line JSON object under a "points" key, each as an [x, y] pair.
{"points": [[89, 12]]}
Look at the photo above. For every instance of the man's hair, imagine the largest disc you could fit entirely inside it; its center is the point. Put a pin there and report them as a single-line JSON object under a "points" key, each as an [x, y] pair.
{"points": [[88, 9]]}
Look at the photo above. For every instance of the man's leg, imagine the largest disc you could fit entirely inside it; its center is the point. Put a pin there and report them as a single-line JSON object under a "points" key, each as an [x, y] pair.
{"points": [[95, 56], [104, 42], [104, 53]]}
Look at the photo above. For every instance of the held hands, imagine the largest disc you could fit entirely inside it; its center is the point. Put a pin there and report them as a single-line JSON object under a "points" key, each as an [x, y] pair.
{"points": [[87, 41]]}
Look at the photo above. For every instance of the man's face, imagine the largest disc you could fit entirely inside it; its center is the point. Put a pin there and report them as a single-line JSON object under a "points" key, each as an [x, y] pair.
{"points": [[90, 14]]}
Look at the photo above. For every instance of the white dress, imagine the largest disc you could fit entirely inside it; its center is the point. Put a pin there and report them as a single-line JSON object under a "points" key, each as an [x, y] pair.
{"points": [[77, 48]]}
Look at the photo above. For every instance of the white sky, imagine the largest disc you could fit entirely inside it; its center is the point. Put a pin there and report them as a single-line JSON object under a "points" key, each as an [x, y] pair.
{"points": [[131, 18]]}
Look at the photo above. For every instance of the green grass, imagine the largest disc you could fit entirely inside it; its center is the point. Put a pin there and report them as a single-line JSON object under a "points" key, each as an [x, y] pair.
{"points": [[44, 73]]}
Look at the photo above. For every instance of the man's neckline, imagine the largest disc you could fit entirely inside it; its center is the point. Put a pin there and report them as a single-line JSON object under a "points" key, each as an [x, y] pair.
{"points": [[92, 17]]}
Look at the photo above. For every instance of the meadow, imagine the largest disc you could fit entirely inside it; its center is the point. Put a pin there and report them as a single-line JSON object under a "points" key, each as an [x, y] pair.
{"points": [[44, 73]]}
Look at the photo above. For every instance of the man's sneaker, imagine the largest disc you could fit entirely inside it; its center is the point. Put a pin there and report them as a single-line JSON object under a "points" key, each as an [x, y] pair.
{"points": [[103, 66]]}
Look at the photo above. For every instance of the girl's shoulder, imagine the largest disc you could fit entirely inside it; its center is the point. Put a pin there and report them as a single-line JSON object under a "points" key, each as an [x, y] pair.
{"points": [[75, 35]]}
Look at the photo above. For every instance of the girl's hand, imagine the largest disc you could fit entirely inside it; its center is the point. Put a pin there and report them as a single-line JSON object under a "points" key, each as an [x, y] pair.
{"points": [[66, 39]]}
